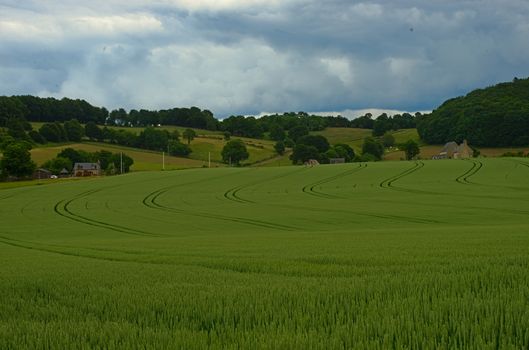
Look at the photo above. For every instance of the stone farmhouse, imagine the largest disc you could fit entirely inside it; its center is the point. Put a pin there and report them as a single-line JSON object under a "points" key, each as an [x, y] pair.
{"points": [[86, 169], [454, 151]]}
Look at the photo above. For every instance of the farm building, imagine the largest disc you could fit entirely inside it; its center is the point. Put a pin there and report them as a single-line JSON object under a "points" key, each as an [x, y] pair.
{"points": [[336, 160], [454, 151], [64, 173], [86, 169], [42, 174]]}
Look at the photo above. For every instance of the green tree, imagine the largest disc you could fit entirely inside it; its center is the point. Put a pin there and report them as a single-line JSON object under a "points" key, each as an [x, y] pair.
{"points": [[16, 160], [227, 135], [344, 151], [234, 152], [15, 128], [189, 135], [289, 142], [75, 156], [56, 164], [151, 138], [302, 153], [279, 147], [388, 140], [74, 130], [119, 158], [93, 131], [318, 141], [373, 147], [277, 133], [411, 149], [298, 131], [177, 148], [36, 137]]}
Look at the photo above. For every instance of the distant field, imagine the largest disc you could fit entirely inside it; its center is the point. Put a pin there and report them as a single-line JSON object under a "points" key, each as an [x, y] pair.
{"points": [[422, 254], [260, 150], [143, 159]]}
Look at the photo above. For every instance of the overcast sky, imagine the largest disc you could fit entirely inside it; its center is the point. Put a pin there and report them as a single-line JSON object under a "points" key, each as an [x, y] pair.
{"points": [[251, 56]]}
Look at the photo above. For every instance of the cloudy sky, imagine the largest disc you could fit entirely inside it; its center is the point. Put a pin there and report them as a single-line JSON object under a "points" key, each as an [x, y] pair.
{"points": [[253, 56]]}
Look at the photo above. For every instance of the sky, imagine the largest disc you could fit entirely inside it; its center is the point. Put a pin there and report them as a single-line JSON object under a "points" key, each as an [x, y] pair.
{"points": [[252, 56]]}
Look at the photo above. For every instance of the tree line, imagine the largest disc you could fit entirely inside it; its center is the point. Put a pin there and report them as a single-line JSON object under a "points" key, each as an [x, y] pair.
{"points": [[497, 116], [49, 110]]}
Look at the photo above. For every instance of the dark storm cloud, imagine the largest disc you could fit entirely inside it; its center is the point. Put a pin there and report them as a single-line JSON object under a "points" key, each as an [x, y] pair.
{"points": [[240, 57]]}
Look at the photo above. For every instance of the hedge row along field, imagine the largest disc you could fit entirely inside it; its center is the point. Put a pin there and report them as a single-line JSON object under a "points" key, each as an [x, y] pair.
{"points": [[426, 254]]}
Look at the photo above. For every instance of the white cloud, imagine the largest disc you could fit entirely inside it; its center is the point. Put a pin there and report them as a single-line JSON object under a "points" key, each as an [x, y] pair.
{"points": [[242, 57], [142, 24]]}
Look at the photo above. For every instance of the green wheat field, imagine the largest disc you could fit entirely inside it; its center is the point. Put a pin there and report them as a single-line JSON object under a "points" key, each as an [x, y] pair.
{"points": [[415, 255]]}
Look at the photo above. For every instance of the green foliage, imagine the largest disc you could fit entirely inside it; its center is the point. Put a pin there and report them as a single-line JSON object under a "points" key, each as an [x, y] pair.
{"points": [[289, 142], [344, 151], [388, 140], [279, 147], [105, 158], [75, 156], [16, 160], [302, 153], [318, 141], [277, 133], [234, 152], [53, 132], [297, 132], [93, 131], [189, 135], [373, 147], [497, 116], [5, 140], [382, 125], [56, 165], [411, 149], [227, 135], [117, 160], [16, 128], [36, 137], [153, 139], [74, 130], [176, 148]]}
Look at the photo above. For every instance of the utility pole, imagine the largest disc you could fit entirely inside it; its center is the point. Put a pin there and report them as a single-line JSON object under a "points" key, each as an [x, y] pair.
{"points": [[209, 159], [121, 162], [163, 160]]}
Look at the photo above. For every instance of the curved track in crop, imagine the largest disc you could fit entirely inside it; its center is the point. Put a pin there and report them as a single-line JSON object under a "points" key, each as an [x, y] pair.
{"points": [[311, 188], [464, 178]]}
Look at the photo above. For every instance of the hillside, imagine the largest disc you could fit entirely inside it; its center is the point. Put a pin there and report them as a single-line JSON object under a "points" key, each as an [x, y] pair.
{"points": [[497, 116]]}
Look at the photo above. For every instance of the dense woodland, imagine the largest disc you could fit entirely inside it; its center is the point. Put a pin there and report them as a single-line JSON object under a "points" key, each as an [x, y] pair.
{"points": [[497, 116]]}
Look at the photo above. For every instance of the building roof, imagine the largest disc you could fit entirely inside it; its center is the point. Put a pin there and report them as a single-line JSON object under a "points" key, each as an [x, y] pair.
{"points": [[42, 170], [86, 166], [64, 171], [450, 147]]}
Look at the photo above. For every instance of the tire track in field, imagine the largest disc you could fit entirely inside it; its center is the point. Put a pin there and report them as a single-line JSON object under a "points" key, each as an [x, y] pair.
{"points": [[464, 178], [62, 209], [389, 182], [150, 201], [233, 193], [309, 189], [400, 218], [209, 266]]}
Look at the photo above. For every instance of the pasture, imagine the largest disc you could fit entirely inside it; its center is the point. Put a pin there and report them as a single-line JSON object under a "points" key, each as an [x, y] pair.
{"points": [[422, 254]]}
